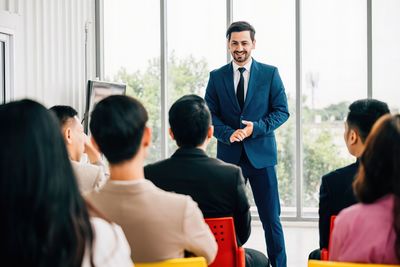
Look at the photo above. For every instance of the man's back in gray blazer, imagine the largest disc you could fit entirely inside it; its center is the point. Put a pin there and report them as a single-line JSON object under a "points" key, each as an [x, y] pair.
{"points": [[159, 225]]}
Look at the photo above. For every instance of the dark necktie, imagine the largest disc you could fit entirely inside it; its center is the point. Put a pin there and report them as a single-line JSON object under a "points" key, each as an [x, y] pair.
{"points": [[240, 88]]}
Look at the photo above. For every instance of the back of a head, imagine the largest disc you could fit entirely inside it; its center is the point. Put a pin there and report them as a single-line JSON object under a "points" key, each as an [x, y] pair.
{"points": [[364, 113], [380, 162], [117, 125], [379, 172], [189, 119], [64, 113], [38, 191], [240, 26]]}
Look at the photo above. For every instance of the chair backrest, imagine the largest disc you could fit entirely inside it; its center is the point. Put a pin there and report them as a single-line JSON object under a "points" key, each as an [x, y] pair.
{"points": [[229, 254], [333, 218], [186, 262], [314, 263], [324, 251]]}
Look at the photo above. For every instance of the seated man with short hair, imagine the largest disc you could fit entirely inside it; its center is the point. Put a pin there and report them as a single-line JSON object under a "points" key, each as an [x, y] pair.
{"points": [[91, 176], [217, 187], [159, 225], [336, 192]]}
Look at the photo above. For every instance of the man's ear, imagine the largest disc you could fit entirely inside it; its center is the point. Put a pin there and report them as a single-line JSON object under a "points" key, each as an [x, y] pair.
{"points": [[171, 134], [67, 135], [254, 44], [146, 139], [210, 132], [353, 137]]}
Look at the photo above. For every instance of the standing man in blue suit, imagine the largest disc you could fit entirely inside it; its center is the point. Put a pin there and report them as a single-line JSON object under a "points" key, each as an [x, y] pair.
{"points": [[247, 101]]}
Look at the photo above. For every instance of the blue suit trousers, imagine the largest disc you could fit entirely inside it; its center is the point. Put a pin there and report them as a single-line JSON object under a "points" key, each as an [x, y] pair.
{"points": [[264, 185]]}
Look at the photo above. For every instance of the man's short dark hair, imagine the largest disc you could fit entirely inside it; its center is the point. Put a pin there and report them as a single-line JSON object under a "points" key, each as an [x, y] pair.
{"points": [[117, 125], [64, 113], [190, 119], [240, 26], [364, 113]]}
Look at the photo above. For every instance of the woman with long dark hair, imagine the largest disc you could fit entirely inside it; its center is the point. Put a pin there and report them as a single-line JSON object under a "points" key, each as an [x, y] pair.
{"points": [[44, 219], [370, 231]]}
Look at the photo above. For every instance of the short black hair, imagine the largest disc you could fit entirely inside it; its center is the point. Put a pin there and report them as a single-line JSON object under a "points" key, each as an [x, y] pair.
{"points": [[364, 113], [240, 26], [117, 125], [189, 118], [63, 113]]}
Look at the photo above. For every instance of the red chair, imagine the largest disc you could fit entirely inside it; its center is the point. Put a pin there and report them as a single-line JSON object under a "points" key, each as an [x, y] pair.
{"points": [[229, 254], [324, 251]]}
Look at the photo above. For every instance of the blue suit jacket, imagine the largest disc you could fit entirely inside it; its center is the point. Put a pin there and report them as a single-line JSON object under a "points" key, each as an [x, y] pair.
{"points": [[265, 105]]}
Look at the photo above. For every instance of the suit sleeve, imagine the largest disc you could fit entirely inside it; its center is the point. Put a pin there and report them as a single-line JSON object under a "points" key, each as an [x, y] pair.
{"points": [[221, 131], [198, 237], [324, 214], [278, 108], [242, 216]]}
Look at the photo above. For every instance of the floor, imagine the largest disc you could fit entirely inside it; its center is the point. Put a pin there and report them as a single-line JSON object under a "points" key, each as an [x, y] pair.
{"points": [[300, 238]]}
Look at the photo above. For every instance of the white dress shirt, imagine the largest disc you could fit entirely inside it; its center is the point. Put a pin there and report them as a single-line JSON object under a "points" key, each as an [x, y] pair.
{"points": [[246, 75]]}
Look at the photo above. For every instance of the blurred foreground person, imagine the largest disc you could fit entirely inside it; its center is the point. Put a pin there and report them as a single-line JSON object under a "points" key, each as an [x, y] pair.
{"points": [[45, 221]]}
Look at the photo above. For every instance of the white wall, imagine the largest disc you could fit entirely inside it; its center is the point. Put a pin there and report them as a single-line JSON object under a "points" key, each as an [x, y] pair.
{"points": [[49, 48]]}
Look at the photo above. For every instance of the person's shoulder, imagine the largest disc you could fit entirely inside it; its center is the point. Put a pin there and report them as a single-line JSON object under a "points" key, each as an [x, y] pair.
{"points": [[81, 166], [221, 69], [222, 165], [166, 196], [264, 66], [345, 171], [156, 165], [110, 245]]}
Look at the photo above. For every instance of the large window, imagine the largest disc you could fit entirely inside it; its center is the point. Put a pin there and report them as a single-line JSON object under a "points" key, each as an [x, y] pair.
{"points": [[334, 74], [195, 47], [386, 52], [132, 56], [326, 53]]}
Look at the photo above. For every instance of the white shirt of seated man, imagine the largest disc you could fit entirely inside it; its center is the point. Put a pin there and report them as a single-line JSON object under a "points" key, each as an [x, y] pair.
{"points": [[82, 152]]}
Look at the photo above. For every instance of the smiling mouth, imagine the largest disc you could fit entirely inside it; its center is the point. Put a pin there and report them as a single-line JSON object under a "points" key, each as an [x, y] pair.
{"points": [[240, 54]]}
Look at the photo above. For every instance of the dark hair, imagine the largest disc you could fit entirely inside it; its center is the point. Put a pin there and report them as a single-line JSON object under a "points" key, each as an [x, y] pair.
{"points": [[379, 172], [64, 113], [44, 218], [364, 113], [117, 125], [189, 118], [240, 26]]}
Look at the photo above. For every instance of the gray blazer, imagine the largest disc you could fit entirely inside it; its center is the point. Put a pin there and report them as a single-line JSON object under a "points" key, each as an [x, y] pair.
{"points": [[158, 225]]}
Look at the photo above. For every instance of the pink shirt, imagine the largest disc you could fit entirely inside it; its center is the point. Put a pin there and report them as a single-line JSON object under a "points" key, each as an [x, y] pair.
{"points": [[364, 233]]}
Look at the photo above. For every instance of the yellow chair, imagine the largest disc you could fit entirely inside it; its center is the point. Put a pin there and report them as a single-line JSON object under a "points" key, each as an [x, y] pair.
{"points": [[185, 262], [314, 263]]}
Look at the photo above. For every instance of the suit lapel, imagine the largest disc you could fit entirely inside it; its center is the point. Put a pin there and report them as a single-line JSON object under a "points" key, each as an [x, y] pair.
{"points": [[229, 86], [252, 83]]}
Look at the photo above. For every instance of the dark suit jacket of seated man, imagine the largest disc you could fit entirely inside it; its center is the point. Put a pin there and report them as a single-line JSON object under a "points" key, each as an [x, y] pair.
{"points": [[216, 186]]}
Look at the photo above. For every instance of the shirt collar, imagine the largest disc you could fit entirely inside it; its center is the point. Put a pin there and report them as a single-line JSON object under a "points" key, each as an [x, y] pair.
{"points": [[127, 182], [247, 66]]}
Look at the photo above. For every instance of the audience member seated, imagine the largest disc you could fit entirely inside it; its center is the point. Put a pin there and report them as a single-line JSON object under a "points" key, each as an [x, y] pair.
{"points": [[336, 192], [91, 176], [369, 232], [44, 219], [217, 187], [159, 225]]}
